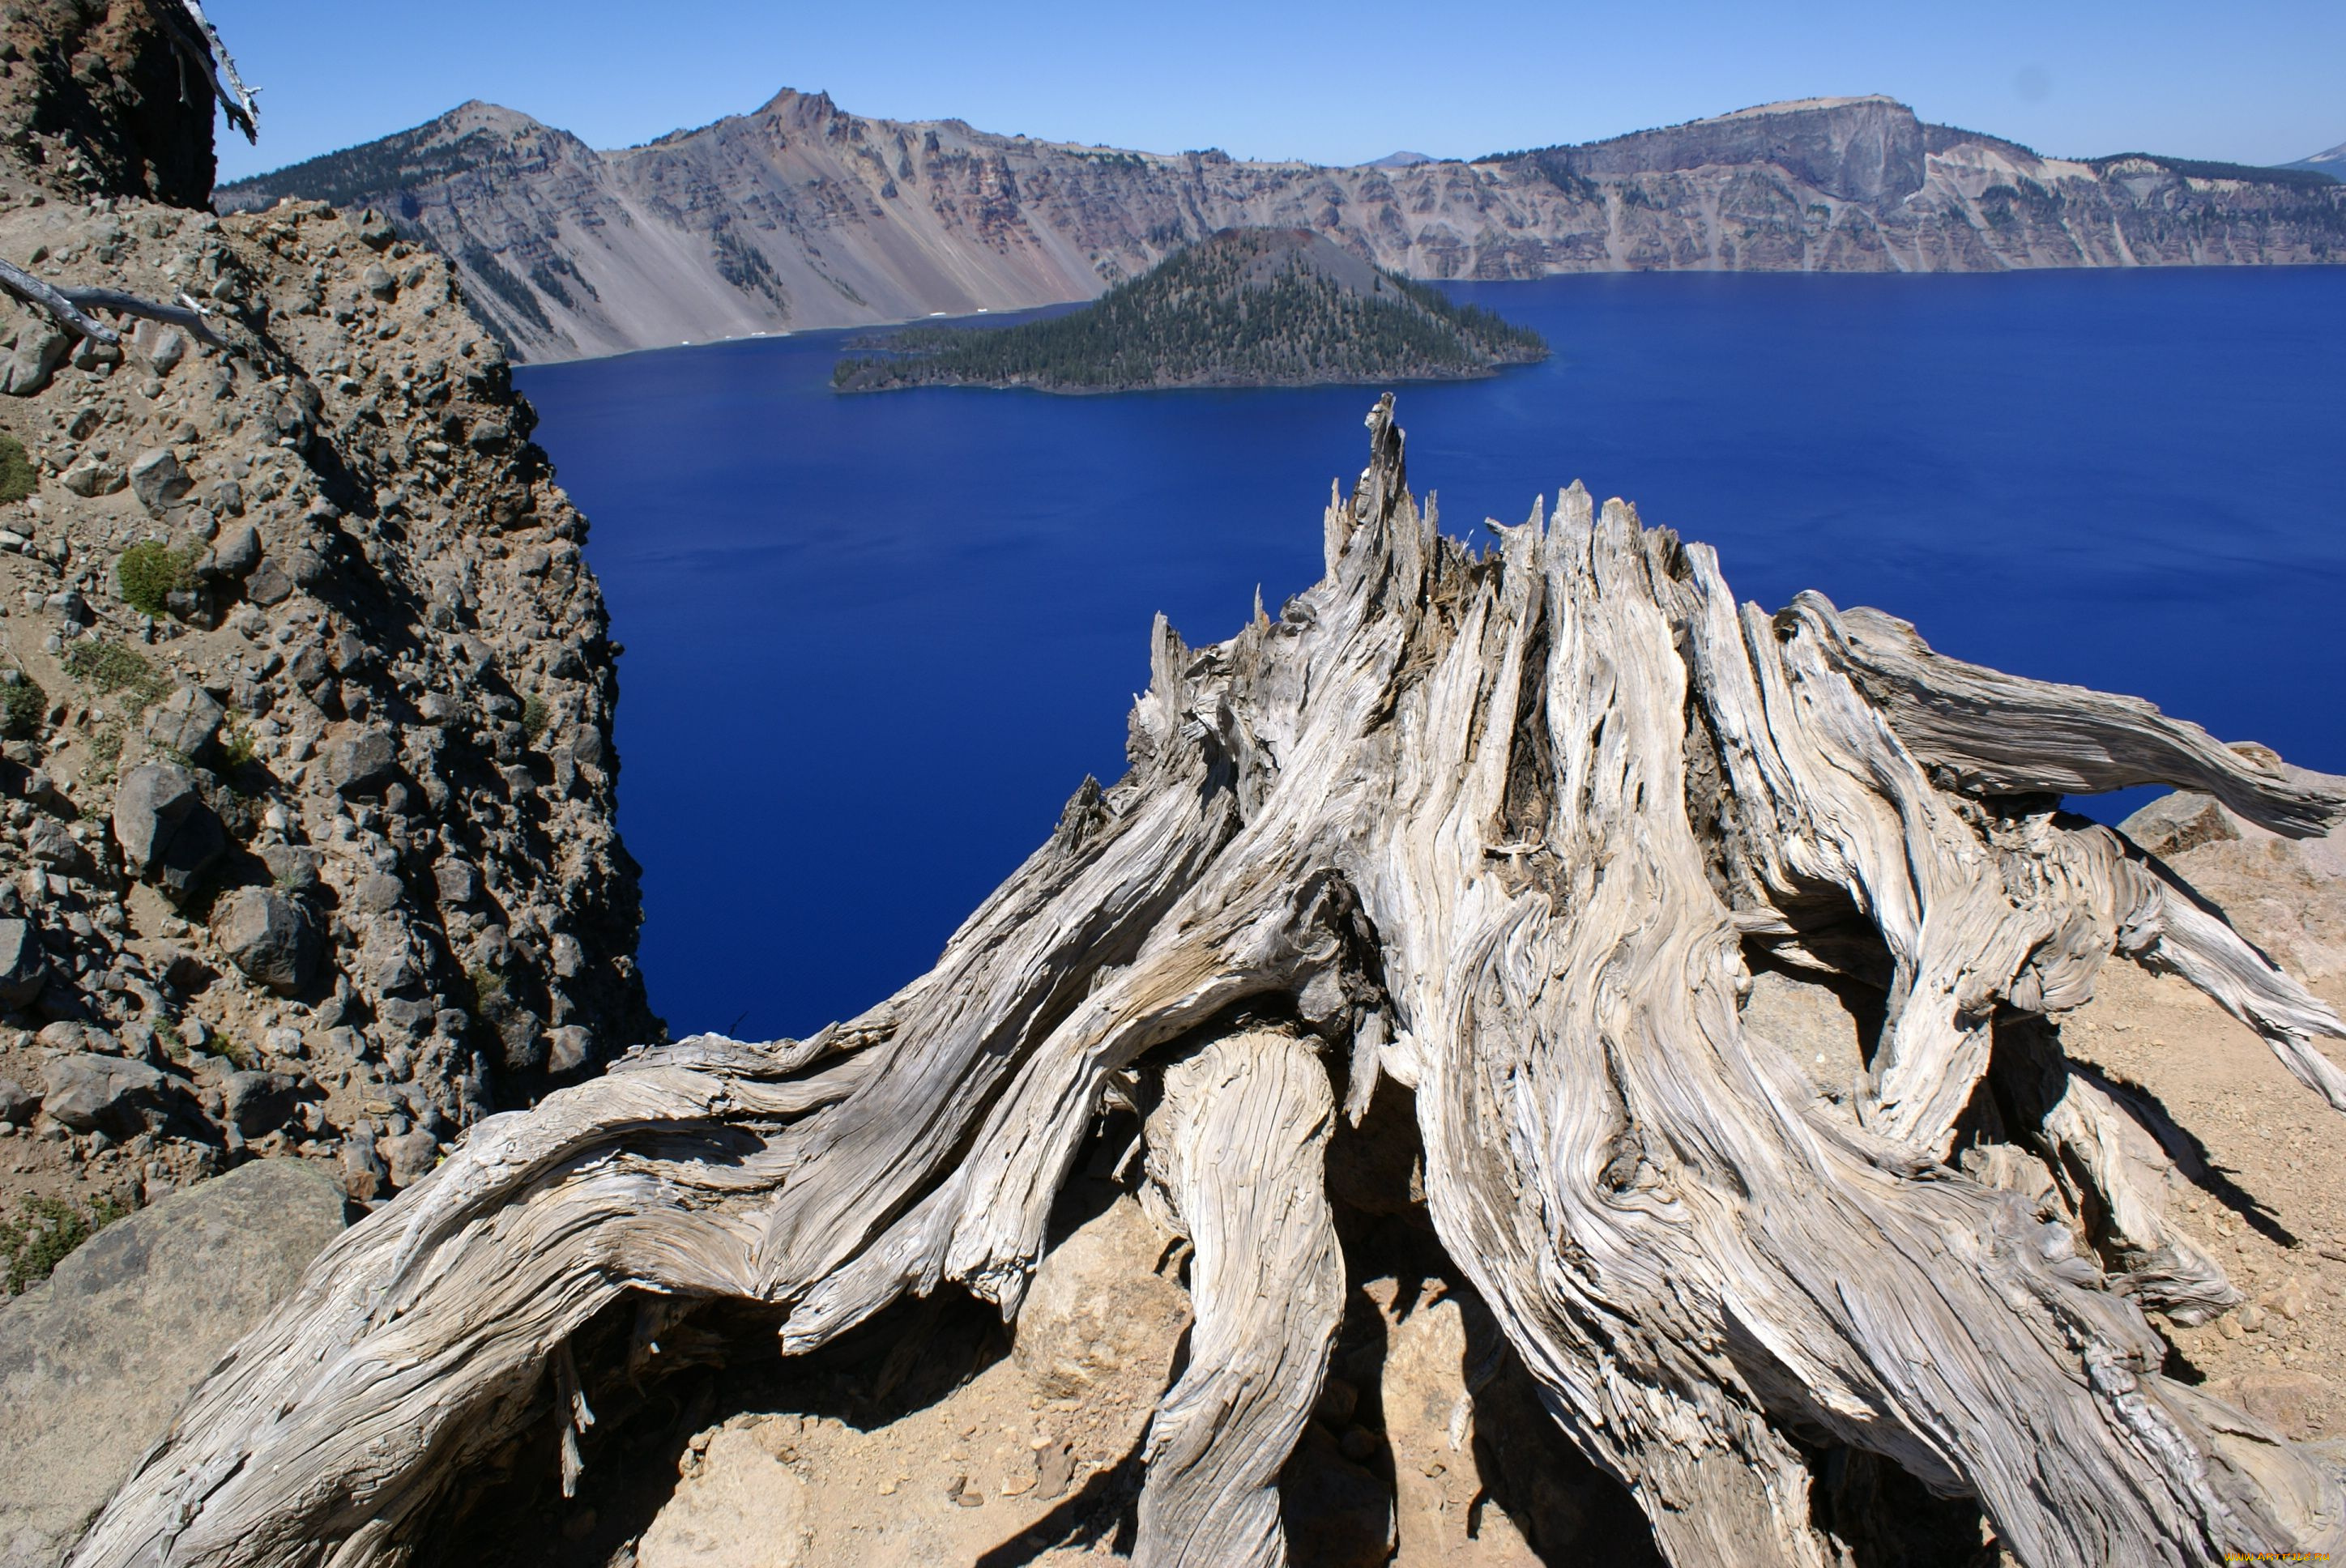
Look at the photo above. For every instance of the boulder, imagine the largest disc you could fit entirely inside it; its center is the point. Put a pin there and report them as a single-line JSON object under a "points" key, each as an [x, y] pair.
{"points": [[1098, 1313], [1429, 1421], [234, 553], [2290, 1403], [378, 281], [40, 350], [365, 1175], [158, 480], [2179, 821], [363, 761], [168, 836], [109, 1094], [741, 1507], [160, 346], [269, 583], [49, 843], [458, 882], [71, 1034], [1812, 1023], [379, 892], [17, 1103], [257, 1103], [91, 478], [410, 1156], [292, 867], [24, 964], [306, 567], [567, 1048], [187, 721], [266, 935], [96, 1361]]}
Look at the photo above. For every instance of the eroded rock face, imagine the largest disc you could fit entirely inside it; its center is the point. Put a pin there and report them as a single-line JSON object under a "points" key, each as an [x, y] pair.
{"points": [[95, 1362]]}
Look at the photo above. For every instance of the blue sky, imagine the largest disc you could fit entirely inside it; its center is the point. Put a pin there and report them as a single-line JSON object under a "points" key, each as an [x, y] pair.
{"points": [[2254, 81]]}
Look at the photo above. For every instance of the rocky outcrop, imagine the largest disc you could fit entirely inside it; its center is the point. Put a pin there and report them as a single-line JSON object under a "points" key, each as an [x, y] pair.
{"points": [[802, 215], [105, 98], [307, 793], [95, 1361]]}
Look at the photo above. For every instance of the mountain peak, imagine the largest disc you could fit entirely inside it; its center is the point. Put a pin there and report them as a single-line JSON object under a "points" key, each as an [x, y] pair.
{"points": [[2332, 162], [798, 108], [1811, 105]]}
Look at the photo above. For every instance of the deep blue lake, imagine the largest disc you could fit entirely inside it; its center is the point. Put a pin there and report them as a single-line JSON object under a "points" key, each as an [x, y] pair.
{"points": [[874, 643]]}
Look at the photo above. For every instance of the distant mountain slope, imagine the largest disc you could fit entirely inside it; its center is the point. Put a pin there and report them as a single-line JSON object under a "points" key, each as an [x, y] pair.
{"points": [[2331, 163], [1246, 307], [801, 215]]}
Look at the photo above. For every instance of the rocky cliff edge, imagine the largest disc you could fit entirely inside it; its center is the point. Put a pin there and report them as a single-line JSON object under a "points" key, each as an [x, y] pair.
{"points": [[306, 770]]}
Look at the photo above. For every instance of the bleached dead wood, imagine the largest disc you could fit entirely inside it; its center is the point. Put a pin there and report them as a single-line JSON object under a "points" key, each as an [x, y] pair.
{"points": [[199, 41], [183, 316], [1239, 1147], [1504, 829], [60, 308], [70, 308]]}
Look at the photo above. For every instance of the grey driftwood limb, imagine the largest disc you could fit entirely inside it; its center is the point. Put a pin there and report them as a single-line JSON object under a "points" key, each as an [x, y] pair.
{"points": [[121, 303], [71, 308], [60, 305], [1507, 829]]}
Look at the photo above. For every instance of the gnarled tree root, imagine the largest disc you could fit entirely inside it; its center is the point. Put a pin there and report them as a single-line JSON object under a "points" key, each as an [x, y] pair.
{"points": [[1504, 828]]}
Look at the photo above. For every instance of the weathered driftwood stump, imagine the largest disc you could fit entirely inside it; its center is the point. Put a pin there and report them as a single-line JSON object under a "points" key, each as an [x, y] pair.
{"points": [[1508, 829]]}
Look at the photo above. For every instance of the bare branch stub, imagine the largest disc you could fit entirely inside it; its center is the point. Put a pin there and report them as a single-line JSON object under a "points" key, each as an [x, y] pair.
{"points": [[1502, 828]]}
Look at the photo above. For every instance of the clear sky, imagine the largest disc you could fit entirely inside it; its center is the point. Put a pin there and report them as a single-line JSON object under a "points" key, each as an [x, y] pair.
{"points": [[2256, 81]]}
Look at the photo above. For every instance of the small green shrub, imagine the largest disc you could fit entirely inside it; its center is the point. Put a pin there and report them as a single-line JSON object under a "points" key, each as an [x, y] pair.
{"points": [[535, 716], [37, 1241], [18, 478], [174, 1044], [110, 667], [490, 1001], [105, 744], [238, 745], [149, 572], [22, 707]]}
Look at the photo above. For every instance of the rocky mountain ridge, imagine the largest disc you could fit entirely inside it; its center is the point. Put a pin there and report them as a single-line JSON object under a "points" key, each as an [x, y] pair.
{"points": [[2330, 162], [306, 789], [802, 215]]}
